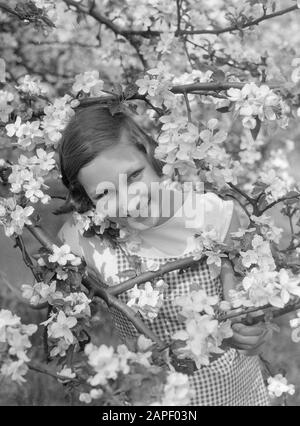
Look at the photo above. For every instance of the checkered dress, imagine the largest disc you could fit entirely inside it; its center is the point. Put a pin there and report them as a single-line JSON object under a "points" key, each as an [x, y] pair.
{"points": [[233, 379]]}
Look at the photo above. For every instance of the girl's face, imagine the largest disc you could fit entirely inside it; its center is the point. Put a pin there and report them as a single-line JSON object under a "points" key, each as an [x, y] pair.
{"points": [[132, 165]]}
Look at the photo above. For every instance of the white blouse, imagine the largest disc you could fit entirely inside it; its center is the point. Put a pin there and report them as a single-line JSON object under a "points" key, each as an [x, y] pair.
{"points": [[174, 237]]}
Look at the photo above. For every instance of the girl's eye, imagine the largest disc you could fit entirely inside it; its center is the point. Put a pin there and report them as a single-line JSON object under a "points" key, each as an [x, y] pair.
{"points": [[135, 174], [101, 195]]}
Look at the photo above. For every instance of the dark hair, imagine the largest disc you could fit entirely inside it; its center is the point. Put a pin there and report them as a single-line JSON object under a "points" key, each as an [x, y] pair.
{"points": [[90, 131]]}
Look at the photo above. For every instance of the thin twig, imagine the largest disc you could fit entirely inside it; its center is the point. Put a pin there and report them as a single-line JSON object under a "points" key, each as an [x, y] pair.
{"points": [[269, 206], [178, 9], [242, 193], [241, 204], [248, 24], [155, 33], [43, 370]]}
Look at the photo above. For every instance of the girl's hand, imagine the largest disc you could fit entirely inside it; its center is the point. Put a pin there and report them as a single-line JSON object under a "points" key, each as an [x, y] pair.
{"points": [[249, 338]]}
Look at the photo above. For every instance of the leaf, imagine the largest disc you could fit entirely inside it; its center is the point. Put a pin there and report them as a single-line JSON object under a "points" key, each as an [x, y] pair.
{"points": [[75, 279], [214, 270], [49, 276], [255, 131], [125, 107], [262, 202], [117, 89], [294, 194], [218, 75], [258, 189], [223, 109], [130, 90]]}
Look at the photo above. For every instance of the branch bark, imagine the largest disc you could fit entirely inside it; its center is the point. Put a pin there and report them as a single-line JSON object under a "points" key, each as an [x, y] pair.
{"points": [[271, 310], [102, 19], [152, 33], [151, 275]]}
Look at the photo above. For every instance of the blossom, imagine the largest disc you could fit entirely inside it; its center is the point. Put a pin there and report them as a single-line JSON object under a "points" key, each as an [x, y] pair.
{"points": [[260, 255], [202, 336], [196, 301], [33, 191], [267, 227], [85, 397], [77, 305], [258, 101], [104, 362], [61, 327], [147, 300], [28, 133], [16, 370], [93, 394], [56, 117], [15, 337], [177, 391], [62, 255], [19, 218], [66, 373], [32, 85], [43, 160], [41, 292], [60, 348], [278, 385], [86, 81], [7, 319]]}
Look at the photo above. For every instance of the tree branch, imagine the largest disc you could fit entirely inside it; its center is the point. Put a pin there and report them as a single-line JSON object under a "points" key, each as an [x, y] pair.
{"points": [[151, 275], [269, 206], [273, 311], [204, 88], [97, 15], [27, 14], [231, 28], [153, 33], [9, 10], [178, 8]]}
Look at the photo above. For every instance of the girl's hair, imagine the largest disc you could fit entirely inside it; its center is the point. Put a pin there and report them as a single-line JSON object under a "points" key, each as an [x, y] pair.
{"points": [[90, 131]]}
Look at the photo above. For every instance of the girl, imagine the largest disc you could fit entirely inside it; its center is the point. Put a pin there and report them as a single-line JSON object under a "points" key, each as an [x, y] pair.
{"points": [[97, 147]]}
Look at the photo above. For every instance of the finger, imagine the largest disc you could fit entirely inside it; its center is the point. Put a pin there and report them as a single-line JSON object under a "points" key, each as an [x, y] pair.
{"points": [[251, 349], [246, 340], [239, 346], [248, 330]]}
